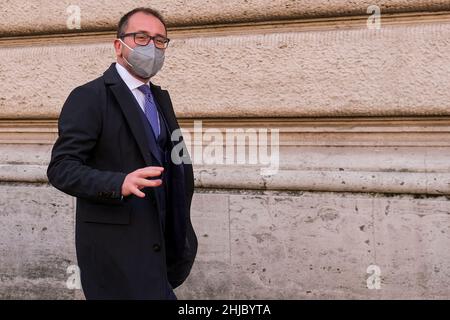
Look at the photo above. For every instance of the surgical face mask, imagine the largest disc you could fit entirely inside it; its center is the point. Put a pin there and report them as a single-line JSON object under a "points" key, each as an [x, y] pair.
{"points": [[146, 61]]}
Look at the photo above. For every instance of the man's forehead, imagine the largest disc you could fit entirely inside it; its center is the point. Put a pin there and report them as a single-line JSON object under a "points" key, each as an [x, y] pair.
{"points": [[145, 22]]}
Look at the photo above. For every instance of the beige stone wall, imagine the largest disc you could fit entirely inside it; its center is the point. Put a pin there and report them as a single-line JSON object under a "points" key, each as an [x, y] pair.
{"points": [[364, 141]]}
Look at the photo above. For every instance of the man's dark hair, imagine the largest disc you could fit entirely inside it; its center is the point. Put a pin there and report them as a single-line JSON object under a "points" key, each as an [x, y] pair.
{"points": [[123, 22]]}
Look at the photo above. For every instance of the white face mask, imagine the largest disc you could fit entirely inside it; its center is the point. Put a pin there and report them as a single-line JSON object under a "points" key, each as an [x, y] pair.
{"points": [[146, 61]]}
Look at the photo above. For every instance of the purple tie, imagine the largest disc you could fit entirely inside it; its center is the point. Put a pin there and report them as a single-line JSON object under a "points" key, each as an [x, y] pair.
{"points": [[150, 109]]}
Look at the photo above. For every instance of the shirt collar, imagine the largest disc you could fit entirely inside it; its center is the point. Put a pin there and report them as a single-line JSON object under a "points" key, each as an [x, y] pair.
{"points": [[131, 82]]}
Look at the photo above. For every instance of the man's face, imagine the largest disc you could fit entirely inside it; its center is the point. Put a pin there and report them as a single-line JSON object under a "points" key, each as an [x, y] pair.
{"points": [[138, 22]]}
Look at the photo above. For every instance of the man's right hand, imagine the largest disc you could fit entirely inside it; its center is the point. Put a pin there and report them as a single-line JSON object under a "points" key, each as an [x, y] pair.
{"points": [[136, 180]]}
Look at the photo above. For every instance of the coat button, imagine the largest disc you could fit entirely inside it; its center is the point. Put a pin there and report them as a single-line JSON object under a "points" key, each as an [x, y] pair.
{"points": [[156, 247]]}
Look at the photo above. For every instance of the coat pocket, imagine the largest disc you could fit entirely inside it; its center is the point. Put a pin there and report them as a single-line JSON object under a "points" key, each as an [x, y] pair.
{"points": [[89, 211]]}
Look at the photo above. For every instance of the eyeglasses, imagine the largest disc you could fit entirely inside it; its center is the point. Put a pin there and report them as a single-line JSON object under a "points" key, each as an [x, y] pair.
{"points": [[143, 39]]}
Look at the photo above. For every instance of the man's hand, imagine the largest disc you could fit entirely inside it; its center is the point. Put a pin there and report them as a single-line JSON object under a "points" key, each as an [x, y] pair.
{"points": [[136, 180]]}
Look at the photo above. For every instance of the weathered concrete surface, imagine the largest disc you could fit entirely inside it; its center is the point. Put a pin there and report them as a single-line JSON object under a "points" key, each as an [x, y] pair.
{"points": [[254, 245], [50, 16], [318, 245], [266, 243], [390, 169], [36, 242], [292, 74]]}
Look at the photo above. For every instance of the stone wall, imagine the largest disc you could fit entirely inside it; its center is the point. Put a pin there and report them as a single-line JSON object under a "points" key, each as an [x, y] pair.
{"points": [[364, 142]]}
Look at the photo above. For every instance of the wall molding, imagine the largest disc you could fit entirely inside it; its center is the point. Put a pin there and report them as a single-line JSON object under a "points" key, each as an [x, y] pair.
{"points": [[358, 131], [227, 29], [285, 180], [383, 155], [48, 17]]}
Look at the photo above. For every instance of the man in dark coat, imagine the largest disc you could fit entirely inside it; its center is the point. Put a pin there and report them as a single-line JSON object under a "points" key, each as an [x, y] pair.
{"points": [[115, 154]]}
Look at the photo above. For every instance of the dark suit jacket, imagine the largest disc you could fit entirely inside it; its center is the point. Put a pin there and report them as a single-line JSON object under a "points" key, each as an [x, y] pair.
{"points": [[122, 250]]}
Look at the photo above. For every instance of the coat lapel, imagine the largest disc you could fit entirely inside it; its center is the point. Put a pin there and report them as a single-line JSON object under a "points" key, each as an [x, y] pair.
{"points": [[165, 107], [129, 107]]}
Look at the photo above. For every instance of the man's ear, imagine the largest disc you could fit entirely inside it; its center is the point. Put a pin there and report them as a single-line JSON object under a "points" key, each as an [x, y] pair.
{"points": [[118, 47]]}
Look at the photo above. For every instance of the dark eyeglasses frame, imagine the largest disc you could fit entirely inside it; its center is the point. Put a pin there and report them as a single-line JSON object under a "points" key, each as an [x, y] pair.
{"points": [[149, 38]]}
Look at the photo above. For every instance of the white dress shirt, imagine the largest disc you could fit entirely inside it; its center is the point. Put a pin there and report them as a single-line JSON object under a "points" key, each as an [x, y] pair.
{"points": [[133, 84]]}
